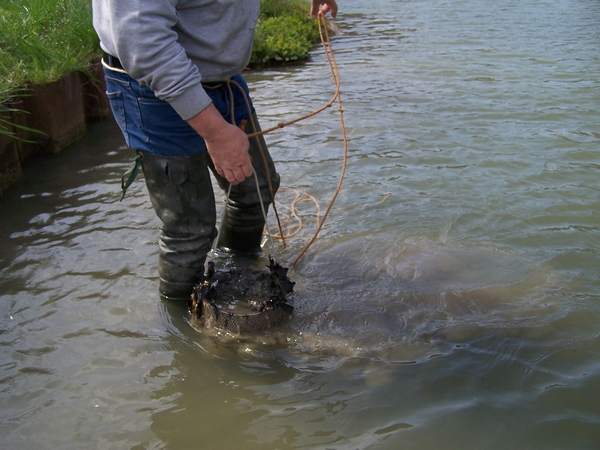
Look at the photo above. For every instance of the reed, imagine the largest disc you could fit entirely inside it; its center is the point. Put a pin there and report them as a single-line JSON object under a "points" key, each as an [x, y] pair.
{"points": [[8, 93]]}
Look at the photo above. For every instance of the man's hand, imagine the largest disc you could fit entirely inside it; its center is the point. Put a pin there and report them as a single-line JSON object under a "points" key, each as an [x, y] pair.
{"points": [[328, 5], [227, 145]]}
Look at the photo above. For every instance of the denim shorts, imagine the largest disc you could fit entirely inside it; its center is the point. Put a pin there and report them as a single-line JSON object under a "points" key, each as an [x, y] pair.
{"points": [[152, 125]]}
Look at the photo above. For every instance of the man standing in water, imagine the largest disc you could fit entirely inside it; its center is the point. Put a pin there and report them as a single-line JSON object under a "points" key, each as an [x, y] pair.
{"points": [[172, 71]]}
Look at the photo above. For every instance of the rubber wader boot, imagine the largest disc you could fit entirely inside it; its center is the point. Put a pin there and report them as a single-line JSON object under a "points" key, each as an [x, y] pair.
{"points": [[182, 196], [243, 222]]}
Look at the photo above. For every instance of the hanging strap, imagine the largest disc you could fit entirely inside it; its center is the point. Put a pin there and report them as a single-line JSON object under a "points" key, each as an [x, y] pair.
{"points": [[130, 175]]}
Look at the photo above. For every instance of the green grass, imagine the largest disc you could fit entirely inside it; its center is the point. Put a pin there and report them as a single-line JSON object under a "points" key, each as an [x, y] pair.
{"points": [[43, 40]]}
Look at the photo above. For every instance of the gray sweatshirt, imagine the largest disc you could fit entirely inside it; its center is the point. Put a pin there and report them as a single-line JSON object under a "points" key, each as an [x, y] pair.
{"points": [[173, 45]]}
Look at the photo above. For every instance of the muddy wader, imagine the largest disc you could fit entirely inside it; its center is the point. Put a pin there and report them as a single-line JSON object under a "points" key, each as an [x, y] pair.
{"points": [[181, 193]]}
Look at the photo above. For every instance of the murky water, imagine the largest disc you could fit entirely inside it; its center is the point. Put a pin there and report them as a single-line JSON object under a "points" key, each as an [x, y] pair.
{"points": [[452, 300]]}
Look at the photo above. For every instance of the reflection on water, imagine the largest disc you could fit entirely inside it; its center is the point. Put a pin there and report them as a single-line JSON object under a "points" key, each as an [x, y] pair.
{"points": [[450, 302]]}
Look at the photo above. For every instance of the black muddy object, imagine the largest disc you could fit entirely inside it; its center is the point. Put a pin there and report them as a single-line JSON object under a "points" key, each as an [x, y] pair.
{"points": [[243, 300]]}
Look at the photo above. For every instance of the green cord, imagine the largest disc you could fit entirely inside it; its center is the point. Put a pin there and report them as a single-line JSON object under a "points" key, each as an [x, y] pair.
{"points": [[130, 175]]}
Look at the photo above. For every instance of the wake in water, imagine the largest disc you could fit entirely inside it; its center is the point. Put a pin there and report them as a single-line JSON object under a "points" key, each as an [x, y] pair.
{"points": [[403, 302], [376, 297]]}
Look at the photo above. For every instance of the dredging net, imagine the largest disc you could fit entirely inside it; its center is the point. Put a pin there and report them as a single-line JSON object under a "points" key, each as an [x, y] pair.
{"points": [[242, 300]]}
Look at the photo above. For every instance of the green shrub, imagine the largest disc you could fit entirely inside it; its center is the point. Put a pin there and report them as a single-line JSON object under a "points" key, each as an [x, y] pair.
{"points": [[277, 8], [283, 39], [284, 33]]}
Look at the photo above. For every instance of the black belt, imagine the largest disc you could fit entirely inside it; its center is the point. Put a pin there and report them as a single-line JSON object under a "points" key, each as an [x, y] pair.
{"points": [[112, 61]]}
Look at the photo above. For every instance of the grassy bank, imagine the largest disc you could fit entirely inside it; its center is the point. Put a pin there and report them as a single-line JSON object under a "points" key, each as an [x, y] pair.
{"points": [[42, 40]]}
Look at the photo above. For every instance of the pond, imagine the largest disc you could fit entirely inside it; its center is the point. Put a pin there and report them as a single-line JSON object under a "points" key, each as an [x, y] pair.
{"points": [[452, 299]]}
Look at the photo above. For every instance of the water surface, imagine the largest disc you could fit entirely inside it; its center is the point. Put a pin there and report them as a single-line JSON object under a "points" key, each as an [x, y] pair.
{"points": [[451, 301]]}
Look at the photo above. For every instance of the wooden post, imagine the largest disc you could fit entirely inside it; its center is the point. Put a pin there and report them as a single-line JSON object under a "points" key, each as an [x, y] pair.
{"points": [[10, 166]]}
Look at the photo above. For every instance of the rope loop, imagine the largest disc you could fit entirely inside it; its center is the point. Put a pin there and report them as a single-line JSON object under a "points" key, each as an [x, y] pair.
{"points": [[326, 44]]}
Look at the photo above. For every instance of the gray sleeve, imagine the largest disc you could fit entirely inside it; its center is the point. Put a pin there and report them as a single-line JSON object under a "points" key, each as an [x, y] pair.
{"points": [[140, 33]]}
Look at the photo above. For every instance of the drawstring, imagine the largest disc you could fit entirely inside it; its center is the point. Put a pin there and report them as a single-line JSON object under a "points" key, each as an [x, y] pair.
{"points": [[264, 211], [214, 246]]}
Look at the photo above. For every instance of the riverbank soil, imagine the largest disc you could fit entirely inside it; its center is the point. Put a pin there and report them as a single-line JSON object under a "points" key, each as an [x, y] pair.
{"points": [[56, 109]]}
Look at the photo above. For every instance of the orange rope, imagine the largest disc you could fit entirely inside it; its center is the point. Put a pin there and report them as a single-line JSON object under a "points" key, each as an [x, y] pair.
{"points": [[336, 78], [326, 43], [292, 221]]}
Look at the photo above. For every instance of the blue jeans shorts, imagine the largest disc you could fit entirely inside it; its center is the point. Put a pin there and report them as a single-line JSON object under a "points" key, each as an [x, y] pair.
{"points": [[152, 125]]}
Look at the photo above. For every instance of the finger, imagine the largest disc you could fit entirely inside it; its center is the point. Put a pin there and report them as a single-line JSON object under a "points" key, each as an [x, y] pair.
{"points": [[229, 175], [314, 9], [247, 170], [333, 9], [240, 173], [330, 6]]}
